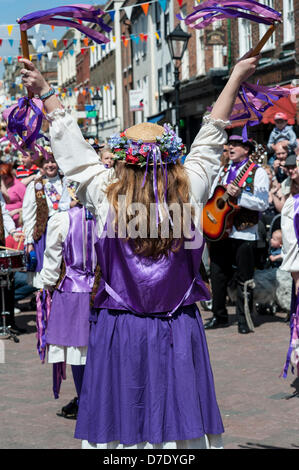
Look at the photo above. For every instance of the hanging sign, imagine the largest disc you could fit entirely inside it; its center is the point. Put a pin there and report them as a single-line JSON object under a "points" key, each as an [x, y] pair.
{"points": [[136, 100]]}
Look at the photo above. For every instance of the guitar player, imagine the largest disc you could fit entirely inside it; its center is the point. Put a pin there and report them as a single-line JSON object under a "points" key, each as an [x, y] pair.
{"points": [[237, 251]]}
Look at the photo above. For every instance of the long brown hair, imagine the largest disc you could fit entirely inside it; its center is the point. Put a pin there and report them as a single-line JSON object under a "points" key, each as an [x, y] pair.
{"points": [[129, 184]]}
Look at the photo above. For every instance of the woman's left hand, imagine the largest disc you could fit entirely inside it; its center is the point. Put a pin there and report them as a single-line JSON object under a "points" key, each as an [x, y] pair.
{"points": [[33, 79]]}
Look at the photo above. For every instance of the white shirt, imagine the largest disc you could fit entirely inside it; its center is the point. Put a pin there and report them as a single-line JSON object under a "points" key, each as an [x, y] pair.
{"points": [[256, 201], [80, 163], [8, 222], [29, 206], [57, 230], [290, 249]]}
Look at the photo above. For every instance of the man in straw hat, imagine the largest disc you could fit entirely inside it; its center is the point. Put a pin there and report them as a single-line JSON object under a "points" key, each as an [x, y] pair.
{"points": [[147, 362]]}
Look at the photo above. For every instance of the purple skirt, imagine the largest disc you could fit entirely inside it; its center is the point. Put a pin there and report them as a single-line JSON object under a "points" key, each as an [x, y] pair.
{"points": [[147, 380], [69, 319], [39, 248]]}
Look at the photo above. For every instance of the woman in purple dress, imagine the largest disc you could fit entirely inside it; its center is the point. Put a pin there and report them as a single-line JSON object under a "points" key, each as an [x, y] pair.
{"points": [[290, 260], [148, 381]]}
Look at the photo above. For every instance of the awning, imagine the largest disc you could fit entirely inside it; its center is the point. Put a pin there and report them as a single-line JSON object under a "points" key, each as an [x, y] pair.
{"points": [[156, 118], [287, 105]]}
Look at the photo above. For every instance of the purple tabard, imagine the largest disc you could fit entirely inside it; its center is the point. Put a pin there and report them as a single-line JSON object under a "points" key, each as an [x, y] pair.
{"points": [[78, 253], [145, 286], [69, 318]]}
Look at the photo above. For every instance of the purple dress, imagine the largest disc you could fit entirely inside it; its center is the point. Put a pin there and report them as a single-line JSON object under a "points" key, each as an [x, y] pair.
{"points": [[148, 376], [70, 309]]}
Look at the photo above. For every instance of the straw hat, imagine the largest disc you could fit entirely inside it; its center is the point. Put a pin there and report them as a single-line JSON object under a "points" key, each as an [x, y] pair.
{"points": [[146, 131]]}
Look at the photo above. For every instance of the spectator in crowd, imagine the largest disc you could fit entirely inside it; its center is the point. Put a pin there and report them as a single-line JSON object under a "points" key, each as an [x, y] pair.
{"points": [[290, 164], [27, 171], [13, 192], [107, 157], [281, 154], [275, 255], [225, 156], [282, 131]]}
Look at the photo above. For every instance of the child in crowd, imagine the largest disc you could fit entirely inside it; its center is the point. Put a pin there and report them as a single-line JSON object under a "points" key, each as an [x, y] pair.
{"points": [[107, 157], [275, 249], [282, 132]]}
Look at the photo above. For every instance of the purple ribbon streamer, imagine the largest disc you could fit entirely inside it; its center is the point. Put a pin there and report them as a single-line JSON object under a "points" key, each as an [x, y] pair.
{"points": [[43, 304], [213, 10], [59, 374], [257, 99], [81, 11]]}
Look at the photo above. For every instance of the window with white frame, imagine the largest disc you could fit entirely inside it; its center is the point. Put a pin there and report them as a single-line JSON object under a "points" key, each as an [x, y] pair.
{"points": [[270, 44], [245, 39], [217, 48], [288, 21], [200, 52]]}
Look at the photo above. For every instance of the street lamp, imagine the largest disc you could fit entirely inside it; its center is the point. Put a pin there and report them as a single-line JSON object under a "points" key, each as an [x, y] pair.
{"points": [[177, 42], [96, 100]]}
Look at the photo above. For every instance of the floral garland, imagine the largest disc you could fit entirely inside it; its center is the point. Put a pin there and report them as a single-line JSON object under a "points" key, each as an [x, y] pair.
{"points": [[50, 191], [137, 153]]}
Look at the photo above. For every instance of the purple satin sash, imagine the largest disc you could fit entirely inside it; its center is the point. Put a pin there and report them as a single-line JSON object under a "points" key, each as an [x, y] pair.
{"points": [[78, 253], [144, 286], [233, 171]]}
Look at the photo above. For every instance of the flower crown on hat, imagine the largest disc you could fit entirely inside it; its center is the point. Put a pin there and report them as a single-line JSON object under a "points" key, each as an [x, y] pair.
{"points": [[139, 151]]}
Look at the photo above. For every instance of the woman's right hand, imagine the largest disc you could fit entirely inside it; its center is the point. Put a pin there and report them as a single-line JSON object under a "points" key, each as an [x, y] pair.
{"points": [[33, 79], [245, 67]]}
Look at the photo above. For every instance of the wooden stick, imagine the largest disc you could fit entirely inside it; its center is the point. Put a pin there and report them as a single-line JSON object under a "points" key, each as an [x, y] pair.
{"points": [[263, 41], [25, 50], [20, 241], [7, 248]]}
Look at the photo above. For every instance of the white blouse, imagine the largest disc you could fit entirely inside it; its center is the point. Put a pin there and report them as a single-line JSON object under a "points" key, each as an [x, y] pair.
{"points": [[57, 230], [9, 225], [79, 162], [29, 206], [290, 248]]}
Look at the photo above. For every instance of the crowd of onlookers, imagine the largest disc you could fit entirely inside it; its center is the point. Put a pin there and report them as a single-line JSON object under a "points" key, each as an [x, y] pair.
{"points": [[18, 170]]}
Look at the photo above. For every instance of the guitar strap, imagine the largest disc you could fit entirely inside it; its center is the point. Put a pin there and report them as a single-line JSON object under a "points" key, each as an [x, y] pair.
{"points": [[245, 176]]}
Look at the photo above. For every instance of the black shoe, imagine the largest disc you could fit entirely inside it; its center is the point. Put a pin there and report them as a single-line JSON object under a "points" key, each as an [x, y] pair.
{"points": [[216, 322], [243, 329], [70, 410]]}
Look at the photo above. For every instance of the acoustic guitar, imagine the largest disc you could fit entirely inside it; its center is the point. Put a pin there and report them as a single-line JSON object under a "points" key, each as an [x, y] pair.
{"points": [[219, 212]]}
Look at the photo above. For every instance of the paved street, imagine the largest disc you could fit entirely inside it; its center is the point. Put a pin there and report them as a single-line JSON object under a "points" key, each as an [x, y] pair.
{"points": [[258, 408]]}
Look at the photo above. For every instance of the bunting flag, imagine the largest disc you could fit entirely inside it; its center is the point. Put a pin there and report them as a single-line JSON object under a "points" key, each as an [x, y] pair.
{"points": [[54, 41], [78, 13], [128, 11], [9, 29], [145, 7]]}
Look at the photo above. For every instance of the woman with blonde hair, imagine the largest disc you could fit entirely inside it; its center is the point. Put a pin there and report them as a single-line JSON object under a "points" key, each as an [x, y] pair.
{"points": [[148, 381]]}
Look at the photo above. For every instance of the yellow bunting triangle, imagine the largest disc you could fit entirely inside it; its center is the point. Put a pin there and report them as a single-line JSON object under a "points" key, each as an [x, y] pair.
{"points": [[113, 38], [9, 29], [30, 57], [92, 48], [54, 42], [157, 35]]}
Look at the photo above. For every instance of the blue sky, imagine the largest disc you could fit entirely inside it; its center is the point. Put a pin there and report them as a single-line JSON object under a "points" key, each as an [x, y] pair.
{"points": [[13, 9]]}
